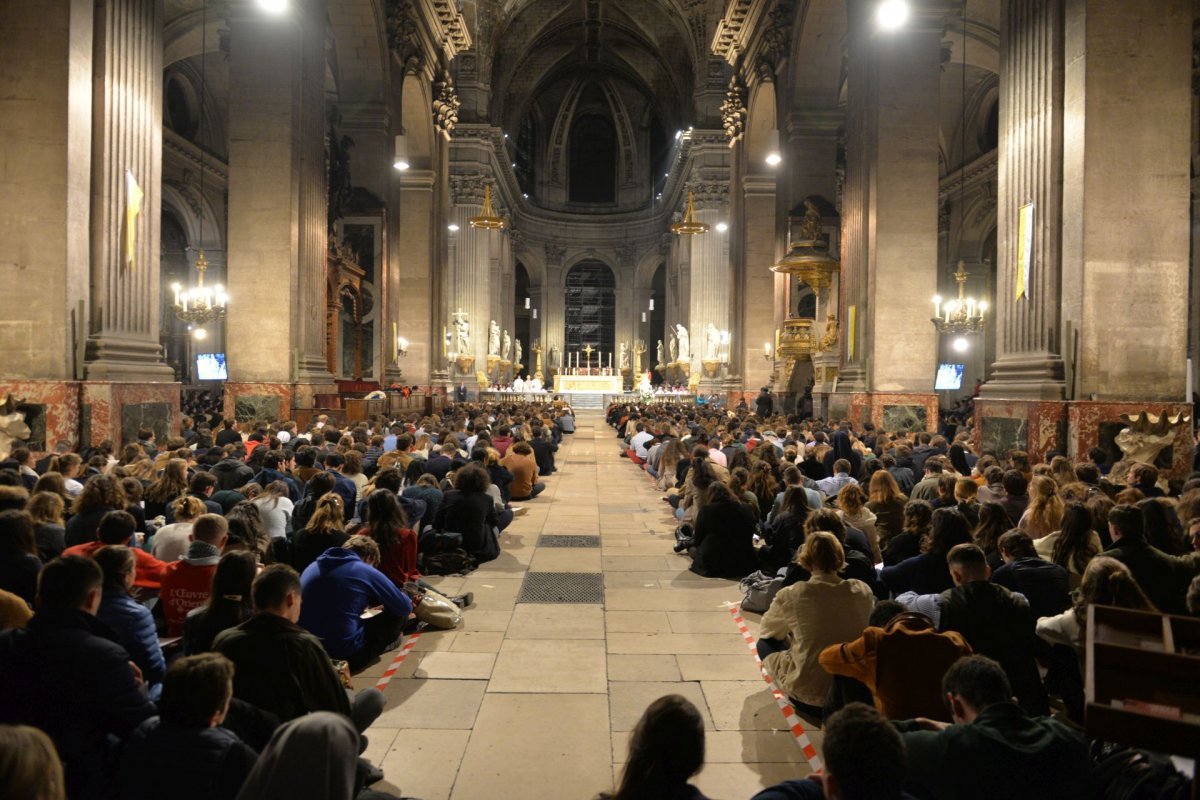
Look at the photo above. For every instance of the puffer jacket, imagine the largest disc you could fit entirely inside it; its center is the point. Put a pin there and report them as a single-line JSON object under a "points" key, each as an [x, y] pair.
{"points": [[134, 626]]}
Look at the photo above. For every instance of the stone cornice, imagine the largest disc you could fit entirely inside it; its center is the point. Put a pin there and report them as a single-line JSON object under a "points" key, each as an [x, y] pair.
{"points": [[981, 169], [174, 144]]}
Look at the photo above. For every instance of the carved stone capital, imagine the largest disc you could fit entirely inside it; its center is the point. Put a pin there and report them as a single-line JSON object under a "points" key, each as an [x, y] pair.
{"points": [[734, 111], [467, 188], [555, 254], [445, 105], [627, 255], [403, 37], [710, 193]]}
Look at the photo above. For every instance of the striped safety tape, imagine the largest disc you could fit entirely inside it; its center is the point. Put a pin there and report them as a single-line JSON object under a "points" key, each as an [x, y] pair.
{"points": [[789, 714], [386, 678]]}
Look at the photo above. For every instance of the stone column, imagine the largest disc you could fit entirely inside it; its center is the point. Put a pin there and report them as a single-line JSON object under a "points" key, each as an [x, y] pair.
{"points": [[469, 268], [890, 204], [1127, 133], [757, 292], [277, 200], [711, 285], [554, 310], [127, 142], [411, 275], [46, 128], [1029, 354]]}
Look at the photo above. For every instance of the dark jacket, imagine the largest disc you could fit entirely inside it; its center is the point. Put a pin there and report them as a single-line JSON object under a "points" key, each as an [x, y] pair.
{"points": [[200, 628], [281, 668], [232, 473], [724, 541], [438, 466], [901, 547], [432, 499], [162, 758], [1015, 505], [1003, 754], [337, 588], [81, 528], [1163, 578], [472, 514], [784, 537], [1000, 625], [51, 540], [266, 477], [1045, 584], [926, 573], [543, 453], [904, 478], [306, 546], [804, 789], [19, 574], [503, 479], [66, 675], [227, 499], [133, 625], [227, 436]]}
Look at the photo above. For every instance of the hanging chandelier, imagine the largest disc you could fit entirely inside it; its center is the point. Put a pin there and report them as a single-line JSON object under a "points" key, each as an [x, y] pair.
{"points": [[488, 219], [960, 317], [199, 305], [688, 226]]}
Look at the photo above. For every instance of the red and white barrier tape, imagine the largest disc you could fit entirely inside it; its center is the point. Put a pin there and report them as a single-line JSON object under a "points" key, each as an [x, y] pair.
{"points": [[789, 714], [386, 678]]}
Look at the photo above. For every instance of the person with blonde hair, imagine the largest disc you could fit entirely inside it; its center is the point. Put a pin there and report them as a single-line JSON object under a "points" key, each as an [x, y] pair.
{"points": [[887, 503], [170, 542], [326, 528], [1045, 512], [852, 508], [46, 510], [173, 483], [809, 616], [29, 765]]}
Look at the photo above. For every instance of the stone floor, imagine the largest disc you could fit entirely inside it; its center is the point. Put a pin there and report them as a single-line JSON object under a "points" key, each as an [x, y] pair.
{"points": [[537, 701]]}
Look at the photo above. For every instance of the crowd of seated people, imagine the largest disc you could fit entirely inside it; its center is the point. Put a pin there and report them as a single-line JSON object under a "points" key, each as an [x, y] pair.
{"points": [[906, 565], [177, 615]]}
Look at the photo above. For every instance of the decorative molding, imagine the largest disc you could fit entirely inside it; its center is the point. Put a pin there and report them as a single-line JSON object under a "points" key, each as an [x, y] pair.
{"points": [[734, 111], [445, 106], [732, 30], [710, 194], [555, 254], [403, 36], [467, 188], [190, 153], [981, 169], [777, 35], [454, 35], [516, 239], [627, 255]]}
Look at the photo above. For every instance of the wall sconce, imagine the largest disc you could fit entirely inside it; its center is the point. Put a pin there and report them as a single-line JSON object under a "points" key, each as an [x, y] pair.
{"points": [[651, 303], [400, 159], [774, 158], [643, 316], [535, 313], [767, 350], [526, 303]]}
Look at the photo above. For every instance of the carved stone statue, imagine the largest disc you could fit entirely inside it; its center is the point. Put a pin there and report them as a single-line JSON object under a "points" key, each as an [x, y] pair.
{"points": [[830, 339], [685, 343], [659, 353], [673, 347], [712, 342], [462, 334], [555, 363], [623, 357], [506, 347], [493, 338], [810, 230], [13, 429], [518, 351], [1148, 434]]}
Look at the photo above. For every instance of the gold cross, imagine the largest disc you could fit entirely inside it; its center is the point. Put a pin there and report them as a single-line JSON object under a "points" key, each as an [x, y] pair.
{"points": [[589, 350]]}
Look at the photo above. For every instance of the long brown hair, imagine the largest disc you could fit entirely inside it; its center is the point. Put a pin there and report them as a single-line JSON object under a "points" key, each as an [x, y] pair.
{"points": [[884, 488], [1074, 546], [101, 491], [29, 765], [1045, 506], [1108, 582], [665, 750], [172, 483], [327, 518]]}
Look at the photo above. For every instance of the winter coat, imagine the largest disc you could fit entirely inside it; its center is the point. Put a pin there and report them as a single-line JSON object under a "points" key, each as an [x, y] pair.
{"points": [[336, 589]]}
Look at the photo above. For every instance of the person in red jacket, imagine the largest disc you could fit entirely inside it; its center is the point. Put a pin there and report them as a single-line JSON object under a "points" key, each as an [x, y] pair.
{"points": [[187, 583], [117, 527], [386, 524]]}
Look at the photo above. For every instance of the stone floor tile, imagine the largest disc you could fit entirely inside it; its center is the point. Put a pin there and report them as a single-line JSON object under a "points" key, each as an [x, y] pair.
{"points": [[422, 763], [742, 705], [455, 665], [643, 668], [677, 643], [637, 622], [541, 666], [442, 704], [566, 621], [629, 699]]}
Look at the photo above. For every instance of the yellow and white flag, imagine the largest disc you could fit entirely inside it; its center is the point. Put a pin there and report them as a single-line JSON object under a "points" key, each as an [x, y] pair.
{"points": [[1024, 250], [133, 206]]}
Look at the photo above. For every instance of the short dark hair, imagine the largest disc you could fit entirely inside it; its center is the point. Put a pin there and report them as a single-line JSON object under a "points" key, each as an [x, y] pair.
{"points": [[967, 555], [1014, 482], [64, 583], [390, 479], [933, 465], [17, 533], [306, 456], [841, 465], [864, 753], [116, 527], [1128, 520], [195, 688], [1017, 543], [334, 460], [884, 612], [273, 585], [116, 561], [321, 484], [1097, 455], [201, 481], [979, 681]]}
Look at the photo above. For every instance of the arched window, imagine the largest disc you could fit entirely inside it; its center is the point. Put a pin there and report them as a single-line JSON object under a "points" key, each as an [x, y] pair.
{"points": [[593, 174], [591, 310]]}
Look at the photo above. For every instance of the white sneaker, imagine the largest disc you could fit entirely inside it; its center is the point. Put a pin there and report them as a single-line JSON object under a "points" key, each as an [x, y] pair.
{"points": [[519, 510]]}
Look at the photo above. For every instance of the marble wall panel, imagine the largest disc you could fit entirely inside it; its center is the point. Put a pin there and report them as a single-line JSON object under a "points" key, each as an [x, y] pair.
{"points": [[255, 396], [999, 435], [1089, 421], [903, 418], [52, 410]]}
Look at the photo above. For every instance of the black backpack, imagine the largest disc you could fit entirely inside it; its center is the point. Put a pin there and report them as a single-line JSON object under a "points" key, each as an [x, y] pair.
{"points": [[1123, 773], [449, 562]]}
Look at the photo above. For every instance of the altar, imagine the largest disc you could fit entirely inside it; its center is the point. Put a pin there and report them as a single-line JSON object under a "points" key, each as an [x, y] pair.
{"points": [[587, 384]]}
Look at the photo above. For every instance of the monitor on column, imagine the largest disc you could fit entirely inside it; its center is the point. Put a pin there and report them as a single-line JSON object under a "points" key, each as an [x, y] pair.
{"points": [[211, 367], [949, 377]]}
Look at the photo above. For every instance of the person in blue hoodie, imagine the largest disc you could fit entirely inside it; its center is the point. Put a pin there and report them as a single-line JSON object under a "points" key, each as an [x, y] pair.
{"points": [[337, 588]]}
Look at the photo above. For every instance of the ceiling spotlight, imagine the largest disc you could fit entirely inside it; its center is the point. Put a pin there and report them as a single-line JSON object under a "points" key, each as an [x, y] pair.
{"points": [[200, 334], [452, 227], [722, 227], [892, 14], [506, 136], [400, 159], [273, 6], [678, 134], [960, 344], [773, 157]]}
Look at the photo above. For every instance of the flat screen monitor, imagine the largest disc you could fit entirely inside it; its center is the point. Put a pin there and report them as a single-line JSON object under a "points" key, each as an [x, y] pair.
{"points": [[949, 377], [211, 367]]}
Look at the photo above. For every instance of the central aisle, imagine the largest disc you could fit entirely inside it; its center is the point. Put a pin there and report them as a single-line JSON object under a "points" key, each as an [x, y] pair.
{"points": [[537, 700]]}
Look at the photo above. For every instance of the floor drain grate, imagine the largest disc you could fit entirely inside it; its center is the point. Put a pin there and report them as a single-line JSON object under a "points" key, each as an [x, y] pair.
{"points": [[562, 587], [549, 540]]}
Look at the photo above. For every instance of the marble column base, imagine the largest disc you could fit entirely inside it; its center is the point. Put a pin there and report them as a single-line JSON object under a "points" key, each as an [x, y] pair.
{"points": [[111, 358], [1035, 426], [893, 411], [1028, 377]]}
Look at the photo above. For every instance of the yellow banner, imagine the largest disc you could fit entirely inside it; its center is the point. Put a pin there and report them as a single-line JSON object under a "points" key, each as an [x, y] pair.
{"points": [[133, 207], [851, 333], [1024, 250]]}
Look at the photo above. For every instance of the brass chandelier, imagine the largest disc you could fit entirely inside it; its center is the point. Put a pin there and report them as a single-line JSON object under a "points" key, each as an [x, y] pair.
{"points": [[960, 317], [488, 219], [689, 226]]}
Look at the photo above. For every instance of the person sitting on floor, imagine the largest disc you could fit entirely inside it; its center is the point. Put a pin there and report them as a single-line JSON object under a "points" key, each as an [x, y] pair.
{"points": [[666, 749], [520, 462], [228, 604], [186, 583], [723, 543], [809, 616], [118, 527], [1044, 584], [993, 749], [864, 760], [185, 747], [40, 670], [130, 620], [337, 588], [261, 646]]}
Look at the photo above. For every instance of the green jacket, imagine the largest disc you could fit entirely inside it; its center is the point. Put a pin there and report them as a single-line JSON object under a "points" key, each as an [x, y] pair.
{"points": [[1003, 754]]}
